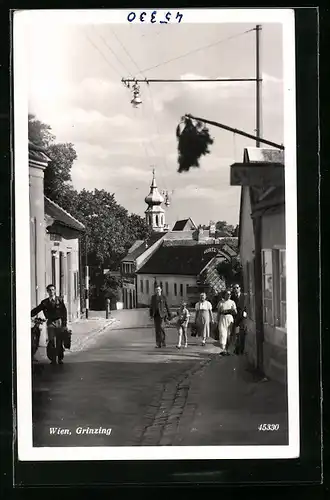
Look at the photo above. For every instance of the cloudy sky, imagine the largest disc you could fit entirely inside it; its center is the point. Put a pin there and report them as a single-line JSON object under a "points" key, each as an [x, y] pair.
{"points": [[75, 86]]}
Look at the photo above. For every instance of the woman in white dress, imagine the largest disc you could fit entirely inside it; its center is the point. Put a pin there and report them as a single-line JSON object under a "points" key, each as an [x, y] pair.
{"points": [[204, 318], [226, 313]]}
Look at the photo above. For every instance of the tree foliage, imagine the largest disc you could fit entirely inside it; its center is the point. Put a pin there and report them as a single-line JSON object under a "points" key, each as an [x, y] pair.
{"points": [[58, 171], [39, 132], [222, 225], [57, 177], [110, 229], [193, 143]]}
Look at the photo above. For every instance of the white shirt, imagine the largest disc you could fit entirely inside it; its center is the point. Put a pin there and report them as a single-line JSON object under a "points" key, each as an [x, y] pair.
{"points": [[227, 305], [203, 306]]}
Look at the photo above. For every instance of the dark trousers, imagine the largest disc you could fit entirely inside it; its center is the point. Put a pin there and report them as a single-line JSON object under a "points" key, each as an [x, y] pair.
{"points": [[159, 328], [55, 343], [240, 340]]}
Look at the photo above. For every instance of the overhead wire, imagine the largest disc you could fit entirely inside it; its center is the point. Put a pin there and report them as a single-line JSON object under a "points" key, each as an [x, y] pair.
{"points": [[197, 50], [142, 143], [143, 110], [101, 53], [126, 51], [113, 52]]}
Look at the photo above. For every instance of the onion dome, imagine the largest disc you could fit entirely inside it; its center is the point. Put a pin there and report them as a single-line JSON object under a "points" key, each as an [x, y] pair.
{"points": [[154, 197]]}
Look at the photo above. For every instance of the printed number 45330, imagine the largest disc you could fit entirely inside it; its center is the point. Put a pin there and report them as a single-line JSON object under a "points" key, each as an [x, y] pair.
{"points": [[268, 427]]}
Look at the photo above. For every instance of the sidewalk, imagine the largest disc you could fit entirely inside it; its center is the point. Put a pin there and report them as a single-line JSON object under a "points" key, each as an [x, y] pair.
{"points": [[84, 334], [226, 405]]}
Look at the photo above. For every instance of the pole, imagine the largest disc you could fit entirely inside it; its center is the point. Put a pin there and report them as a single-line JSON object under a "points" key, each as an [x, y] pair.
{"points": [[236, 131], [258, 88], [257, 223], [86, 280], [107, 308], [185, 80]]}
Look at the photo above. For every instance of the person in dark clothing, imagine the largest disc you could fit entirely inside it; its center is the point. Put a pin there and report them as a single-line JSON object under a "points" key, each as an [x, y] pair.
{"points": [[159, 312], [56, 315], [239, 323]]}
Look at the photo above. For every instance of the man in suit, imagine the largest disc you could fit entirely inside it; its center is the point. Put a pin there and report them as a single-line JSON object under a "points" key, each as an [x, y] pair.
{"points": [[239, 322], [160, 312], [56, 315]]}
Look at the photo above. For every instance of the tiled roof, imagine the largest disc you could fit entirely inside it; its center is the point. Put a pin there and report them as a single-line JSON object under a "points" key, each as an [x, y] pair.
{"points": [[187, 260], [135, 245], [60, 216], [133, 255]]}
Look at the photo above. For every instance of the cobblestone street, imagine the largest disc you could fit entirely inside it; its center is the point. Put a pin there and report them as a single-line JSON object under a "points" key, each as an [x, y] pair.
{"points": [[149, 396]]}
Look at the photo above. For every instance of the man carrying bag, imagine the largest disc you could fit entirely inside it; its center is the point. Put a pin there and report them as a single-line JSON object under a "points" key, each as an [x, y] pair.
{"points": [[56, 315]]}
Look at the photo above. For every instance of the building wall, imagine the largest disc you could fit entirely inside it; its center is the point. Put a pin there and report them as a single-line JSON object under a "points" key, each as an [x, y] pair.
{"points": [[62, 269], [144, 296], [37, 233], [130, 299], [275, 341], [247, 255], [275, 338], [129, 296]]}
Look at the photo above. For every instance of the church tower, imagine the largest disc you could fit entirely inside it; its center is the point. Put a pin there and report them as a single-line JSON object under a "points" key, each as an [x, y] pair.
{"points": [[155, 214]]}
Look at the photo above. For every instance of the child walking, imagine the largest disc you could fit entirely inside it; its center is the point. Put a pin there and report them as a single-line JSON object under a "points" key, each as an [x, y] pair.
{"points": [[182, 324]]}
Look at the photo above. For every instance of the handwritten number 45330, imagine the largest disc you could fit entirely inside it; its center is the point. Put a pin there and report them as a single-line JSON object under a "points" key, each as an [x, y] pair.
{"points": [[153, 18]]}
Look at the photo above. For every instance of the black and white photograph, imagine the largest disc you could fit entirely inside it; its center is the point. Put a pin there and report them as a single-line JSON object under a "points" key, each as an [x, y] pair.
{"points": [[156, 228]]}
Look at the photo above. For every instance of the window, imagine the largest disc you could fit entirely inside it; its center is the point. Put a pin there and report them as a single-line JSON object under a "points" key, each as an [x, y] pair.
{"points": [[147, 286], [166, 288], [161, 285], [267, 286], [175, 289], [282, 289], [76, 284], [274, 287], [141, 286], [157, 222], [181, 290], [54, 270]]}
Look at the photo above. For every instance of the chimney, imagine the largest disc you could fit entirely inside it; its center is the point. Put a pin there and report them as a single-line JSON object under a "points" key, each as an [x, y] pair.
{"points": [[212, 229], [200, 233]]}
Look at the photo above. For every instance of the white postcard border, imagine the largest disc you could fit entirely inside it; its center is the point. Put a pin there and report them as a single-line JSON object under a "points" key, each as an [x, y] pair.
{"points": [[26, 451]]}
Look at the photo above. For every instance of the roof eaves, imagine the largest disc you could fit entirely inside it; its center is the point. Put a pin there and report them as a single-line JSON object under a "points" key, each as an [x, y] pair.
{"points": [[51, 202]]}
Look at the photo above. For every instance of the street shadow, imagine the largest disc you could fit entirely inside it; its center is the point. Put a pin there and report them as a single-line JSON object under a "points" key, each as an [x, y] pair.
{"points": [[108, 393]]}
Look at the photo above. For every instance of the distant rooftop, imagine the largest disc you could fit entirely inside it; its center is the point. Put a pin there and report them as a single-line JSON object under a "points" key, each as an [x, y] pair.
{"points": [[140, 249], [180, 260], [255, 155], [184, 224]]}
